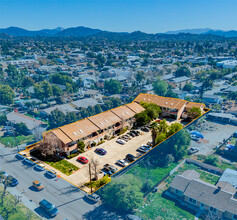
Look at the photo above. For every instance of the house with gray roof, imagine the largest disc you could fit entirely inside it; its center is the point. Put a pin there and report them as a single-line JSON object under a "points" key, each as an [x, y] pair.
{"points": [[220, 200]]}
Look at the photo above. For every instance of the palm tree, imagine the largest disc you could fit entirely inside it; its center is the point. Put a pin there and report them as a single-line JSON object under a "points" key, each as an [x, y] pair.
{"points": [[154, 132]]}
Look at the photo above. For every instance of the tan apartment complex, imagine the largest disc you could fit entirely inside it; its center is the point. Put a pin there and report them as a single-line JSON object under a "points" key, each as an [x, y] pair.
{"points": [[107, 124]]}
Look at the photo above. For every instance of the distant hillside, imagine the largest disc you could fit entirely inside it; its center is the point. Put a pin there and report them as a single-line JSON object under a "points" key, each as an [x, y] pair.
{"points": [[19, 32], [190, 31], [78, 32], [231, 33], [136, 35]]}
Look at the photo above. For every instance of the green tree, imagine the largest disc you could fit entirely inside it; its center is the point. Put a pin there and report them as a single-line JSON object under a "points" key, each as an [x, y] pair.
{"points": [[3, 119], [57, 91], [188, 87], [69, 88], [139, 77], [21, 128], [6, 95], [47, 89], [161, 137], [142, 118], [174, 128], [56, 119], [182, 71], [113, 86], [194, 112], [81, 146], [160, 87], [124, 194]]}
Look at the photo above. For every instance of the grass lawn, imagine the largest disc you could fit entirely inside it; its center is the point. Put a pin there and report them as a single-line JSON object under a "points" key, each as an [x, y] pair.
{"points": [[18, 140], [21, 213], [154, 175], [157, 207], [63, 166]]}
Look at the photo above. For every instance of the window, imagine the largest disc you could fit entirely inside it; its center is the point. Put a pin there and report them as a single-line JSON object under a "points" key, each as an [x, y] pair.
{"points": [[213, 210], [192, 200], [178, 192], [234, 216], [202, 205]]}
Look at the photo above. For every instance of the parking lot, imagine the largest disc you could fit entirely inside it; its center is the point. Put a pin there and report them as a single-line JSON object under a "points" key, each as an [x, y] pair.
{"points": [[115, 152], [213, 133]]}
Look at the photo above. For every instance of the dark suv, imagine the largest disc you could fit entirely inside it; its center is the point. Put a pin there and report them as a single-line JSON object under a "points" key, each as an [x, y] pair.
{"points": [[130, 157]]}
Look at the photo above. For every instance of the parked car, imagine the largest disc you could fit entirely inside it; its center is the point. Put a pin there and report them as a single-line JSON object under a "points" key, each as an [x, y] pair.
{"points": [[49, 208], [83, 160], [120, 141], [110, 168], [122, 163], [128, 136], [100, 151], [146, 129], [125, 138], [26, 160], [113, 169], [38, 185], [142, 149], [106, 166], [130, 157], [136, 132], [20, 157], [93, 197], [12, 181], [192, 150], [146, 146], [132, 134], [38, 167], [195, 138], [51, 173]]}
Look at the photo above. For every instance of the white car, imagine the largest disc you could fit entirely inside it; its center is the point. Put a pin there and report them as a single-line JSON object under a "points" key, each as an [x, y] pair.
{"points": [[122, 163], [94, 197], [120, 141], [146, 146], [143, 149]]}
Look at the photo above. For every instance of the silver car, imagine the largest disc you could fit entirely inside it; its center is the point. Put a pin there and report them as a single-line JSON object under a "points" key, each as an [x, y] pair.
{"points": [[122, 163]]}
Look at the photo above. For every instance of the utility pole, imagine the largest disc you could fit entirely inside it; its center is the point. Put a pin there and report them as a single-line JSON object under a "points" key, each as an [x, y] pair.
{"points": [[90, 176], [14, 138]]}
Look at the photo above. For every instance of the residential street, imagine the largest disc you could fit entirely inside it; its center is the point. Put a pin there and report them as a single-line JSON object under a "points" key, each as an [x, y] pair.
{"points": [[70, 200]]}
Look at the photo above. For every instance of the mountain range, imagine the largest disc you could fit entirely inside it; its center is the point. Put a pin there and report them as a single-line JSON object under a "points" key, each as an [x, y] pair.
{"points": [[86, 31]]}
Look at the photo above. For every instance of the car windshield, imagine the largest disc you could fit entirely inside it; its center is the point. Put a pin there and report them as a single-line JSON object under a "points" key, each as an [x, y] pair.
{"points": [[39, 184]]}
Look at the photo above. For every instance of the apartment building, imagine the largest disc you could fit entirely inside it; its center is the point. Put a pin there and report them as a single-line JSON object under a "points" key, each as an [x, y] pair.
{"points": [[219, 200]]}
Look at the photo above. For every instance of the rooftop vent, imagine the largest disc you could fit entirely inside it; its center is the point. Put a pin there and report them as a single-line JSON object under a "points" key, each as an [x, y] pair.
{"points": [[80, 130], [171, 103], [122, 114], [101, 122], [106, 120], [148, 100], [127, 113], [74, 133], [166, 103]]}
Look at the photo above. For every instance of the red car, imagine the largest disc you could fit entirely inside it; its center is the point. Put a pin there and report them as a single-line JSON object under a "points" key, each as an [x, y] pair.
{"points": [[83, 160]]}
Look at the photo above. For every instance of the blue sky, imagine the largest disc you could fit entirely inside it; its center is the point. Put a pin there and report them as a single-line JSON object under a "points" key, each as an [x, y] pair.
{"points": [[151, 16]]}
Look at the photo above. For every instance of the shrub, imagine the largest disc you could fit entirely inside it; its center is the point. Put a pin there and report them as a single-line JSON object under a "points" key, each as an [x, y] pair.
{"points": [[212, 160], [81, 146]]}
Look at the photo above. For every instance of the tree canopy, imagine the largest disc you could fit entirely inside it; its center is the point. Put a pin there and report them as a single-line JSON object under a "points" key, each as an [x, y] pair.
{"points": [[6, 95], [113, 86]]}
